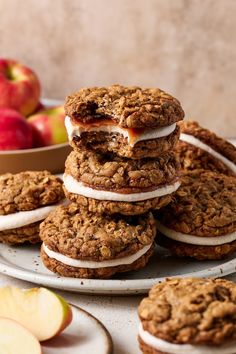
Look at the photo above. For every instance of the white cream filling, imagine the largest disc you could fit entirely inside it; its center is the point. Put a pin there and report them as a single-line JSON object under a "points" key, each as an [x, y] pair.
{"points": [[76, 130], [198, 143], [92, 264], [76, 187], [171, 348], [196, 240], [22, 218]]}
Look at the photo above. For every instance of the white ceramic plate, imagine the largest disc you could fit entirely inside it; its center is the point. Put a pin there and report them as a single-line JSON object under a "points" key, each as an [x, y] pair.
{"points": [[24, 263], [85, 335]]}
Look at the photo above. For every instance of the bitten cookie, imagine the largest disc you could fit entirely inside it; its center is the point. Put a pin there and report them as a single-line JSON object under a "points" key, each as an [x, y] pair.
{"points": [[106, 183], [80, 244], [200, 222], [129, 121], [183, 316], [26, 199], [200, 148]]}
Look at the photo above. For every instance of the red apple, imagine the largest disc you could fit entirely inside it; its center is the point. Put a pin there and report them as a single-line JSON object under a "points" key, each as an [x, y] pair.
{"points": [[19, 87], [15, 131], [48, 126], [40, 107]]}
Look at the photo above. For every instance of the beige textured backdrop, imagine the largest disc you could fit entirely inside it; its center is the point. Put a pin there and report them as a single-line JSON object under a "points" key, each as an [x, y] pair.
{"points": [[187, 47]]}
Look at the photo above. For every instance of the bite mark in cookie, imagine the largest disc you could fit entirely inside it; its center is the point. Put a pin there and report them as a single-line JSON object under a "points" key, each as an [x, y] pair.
{"points": [[128, 107], [129, 121]]}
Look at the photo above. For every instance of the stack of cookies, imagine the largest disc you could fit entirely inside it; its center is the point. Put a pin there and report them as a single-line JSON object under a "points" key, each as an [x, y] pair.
{"points": [[121, 168]]}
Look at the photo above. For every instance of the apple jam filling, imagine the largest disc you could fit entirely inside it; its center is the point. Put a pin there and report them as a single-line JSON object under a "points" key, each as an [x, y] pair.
{"points": [[76, 128], [76, 187]]}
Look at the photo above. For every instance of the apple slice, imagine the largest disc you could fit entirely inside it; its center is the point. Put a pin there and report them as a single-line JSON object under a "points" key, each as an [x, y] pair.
{"points": [[41, 311], [14, 338]]}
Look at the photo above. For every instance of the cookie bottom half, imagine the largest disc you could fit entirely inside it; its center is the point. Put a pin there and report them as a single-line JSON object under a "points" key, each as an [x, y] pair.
{"points": [[114, 207], [146, 349], [27, 233], [200, 253], [93, 273]]}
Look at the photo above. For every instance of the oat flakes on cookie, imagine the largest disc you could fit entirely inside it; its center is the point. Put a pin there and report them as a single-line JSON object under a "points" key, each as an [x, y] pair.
{"points": [[107, 183], [201, 148], [132, 122], [200, 222], [26, 198], [189, 316], [80, 244]]}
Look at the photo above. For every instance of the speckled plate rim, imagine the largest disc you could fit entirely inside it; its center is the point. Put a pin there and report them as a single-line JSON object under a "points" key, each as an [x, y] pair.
{"points": [[106, 336], [108, 286]]}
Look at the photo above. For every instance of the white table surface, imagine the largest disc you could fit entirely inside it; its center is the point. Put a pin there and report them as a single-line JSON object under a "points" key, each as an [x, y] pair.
{"points": [[118, 314]]}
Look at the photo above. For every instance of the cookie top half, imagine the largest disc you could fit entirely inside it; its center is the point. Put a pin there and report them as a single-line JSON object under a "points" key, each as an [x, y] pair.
{"points": [[191, 311], [208, 137], [204, 205], [128, 107], [79, 234], [201, 148], [28, 190]]}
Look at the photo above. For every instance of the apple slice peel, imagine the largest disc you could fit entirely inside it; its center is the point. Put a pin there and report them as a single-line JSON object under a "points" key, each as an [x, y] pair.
{"points": [[41, 311]]}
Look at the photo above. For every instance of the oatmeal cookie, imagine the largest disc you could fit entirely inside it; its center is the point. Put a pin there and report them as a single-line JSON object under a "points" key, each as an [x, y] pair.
{"points": [[114, 207], [28, 190], [108, 172], [106, 183], [128, 121], [27, 233], [128, 107], [201, 318], [26, 198], [81, 244], [201, 148], [200, 222]]}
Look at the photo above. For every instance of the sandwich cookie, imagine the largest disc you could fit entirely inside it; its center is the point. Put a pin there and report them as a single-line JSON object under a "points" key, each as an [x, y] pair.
{"points": [[200, 148], [26, 199], [189, 315], [80, 244], [200, 222], [129, 121], [107, 183]]}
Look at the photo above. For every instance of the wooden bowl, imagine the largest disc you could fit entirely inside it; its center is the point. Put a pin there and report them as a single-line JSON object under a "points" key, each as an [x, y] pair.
{"points": [[51, 158]]}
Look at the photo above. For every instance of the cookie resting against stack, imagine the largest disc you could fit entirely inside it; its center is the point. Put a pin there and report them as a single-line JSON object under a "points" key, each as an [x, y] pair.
{"points": [[200, 222], [26, 199], [189, 316], [201, 148], [122, 166]]}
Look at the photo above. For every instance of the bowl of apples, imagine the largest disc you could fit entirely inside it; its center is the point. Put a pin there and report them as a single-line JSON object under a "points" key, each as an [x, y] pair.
{"points": [[32, 131]]}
